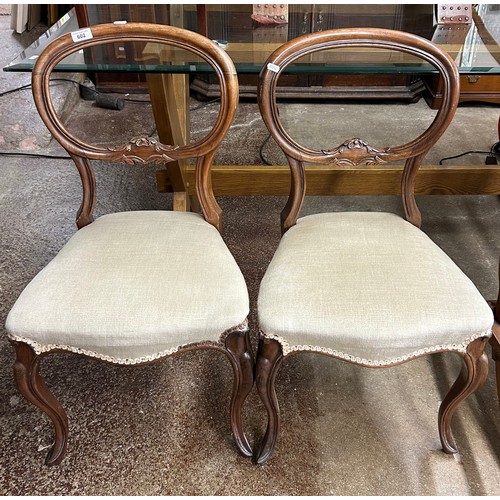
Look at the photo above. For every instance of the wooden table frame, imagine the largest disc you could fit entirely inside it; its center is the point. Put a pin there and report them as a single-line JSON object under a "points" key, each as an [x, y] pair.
{"points": [[169, 98]]}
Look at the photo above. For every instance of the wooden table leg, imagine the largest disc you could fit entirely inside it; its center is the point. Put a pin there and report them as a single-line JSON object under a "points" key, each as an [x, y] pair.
{"points": [[170, 102]]}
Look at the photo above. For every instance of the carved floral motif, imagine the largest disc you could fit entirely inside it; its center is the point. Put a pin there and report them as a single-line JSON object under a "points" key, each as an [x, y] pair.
{"points": [[355, 152], [142, 149]]}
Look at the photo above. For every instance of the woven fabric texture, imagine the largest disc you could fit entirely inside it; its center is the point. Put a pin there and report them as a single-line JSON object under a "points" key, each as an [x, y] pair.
{"points": [[370, 285], [133, 284]]}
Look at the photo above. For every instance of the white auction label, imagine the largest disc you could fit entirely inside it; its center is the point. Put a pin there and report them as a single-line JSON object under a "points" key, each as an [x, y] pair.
{"points": [[80, 35], [273, 67]]}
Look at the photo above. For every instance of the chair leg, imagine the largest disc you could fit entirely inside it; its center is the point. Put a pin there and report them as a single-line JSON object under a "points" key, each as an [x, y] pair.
{"points": [[269, 360], [495, 352], [31, 385], [471, 377], [240, 353]]}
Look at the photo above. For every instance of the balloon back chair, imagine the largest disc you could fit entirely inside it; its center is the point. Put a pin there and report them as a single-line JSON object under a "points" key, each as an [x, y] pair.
{"points": [[369, 288], [132, 288]]}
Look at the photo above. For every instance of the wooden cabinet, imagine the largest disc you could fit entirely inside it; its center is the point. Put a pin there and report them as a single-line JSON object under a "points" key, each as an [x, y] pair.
{"points": [[233, 23], [471, 45], [484, 88], [236, 24]]}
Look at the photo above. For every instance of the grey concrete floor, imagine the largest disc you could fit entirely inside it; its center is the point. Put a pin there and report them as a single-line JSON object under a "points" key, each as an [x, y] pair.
{"points": [[163, 429]]}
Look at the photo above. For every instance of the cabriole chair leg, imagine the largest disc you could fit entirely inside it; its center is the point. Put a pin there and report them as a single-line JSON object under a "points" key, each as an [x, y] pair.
{"points": [[495, 354], [471, 377], [269, 359], [242, 360], [31, 385]]}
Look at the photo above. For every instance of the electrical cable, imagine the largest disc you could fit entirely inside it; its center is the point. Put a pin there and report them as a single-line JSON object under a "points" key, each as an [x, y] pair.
{"points": [[28, 85], [96, 92], [80, 84], [466, 153], [205, 104], [493, 153], [263, 145], [6, 92], [34, 155], [261, 150]]}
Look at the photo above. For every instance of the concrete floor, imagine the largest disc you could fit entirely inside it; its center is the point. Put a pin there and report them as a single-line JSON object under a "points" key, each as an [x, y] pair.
{"points": [[164, 429]]}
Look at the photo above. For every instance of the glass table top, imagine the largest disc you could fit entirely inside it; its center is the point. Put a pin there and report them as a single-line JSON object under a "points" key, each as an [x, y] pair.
{"points": [[474, 45]]}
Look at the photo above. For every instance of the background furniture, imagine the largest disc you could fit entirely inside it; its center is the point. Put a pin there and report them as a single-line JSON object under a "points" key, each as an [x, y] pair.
{"points": [[466, 42], [233, 23]]}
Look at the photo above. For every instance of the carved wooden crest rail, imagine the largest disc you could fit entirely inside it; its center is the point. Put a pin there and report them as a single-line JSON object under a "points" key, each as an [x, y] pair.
{"points": [[356, 152], [142, 149]]}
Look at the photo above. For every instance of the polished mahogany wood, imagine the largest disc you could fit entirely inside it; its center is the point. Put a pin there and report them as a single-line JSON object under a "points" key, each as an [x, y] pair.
{"points": [[235, 344], [236, 347], [472, 376], [239, 351], [357, 153], [33, 388], [495, 353], [270, 357], [495, 338]]}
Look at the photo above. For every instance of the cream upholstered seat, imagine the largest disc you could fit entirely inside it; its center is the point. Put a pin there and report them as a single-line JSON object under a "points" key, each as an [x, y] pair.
{"points": [[336, 284], [135, 287], [365, 287], [132, 287]]}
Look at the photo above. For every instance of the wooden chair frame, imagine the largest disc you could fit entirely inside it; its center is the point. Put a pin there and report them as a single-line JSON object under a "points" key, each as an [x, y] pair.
{"points": [[140, 149], [355, 152], [235, 343]]}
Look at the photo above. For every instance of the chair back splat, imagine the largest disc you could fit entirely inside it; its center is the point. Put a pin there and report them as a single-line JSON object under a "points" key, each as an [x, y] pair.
{"points": [[355, 151], [140, 149]]}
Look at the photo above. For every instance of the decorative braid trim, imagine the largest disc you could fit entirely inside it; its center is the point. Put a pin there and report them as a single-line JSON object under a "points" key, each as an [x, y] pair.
{"points": [[39, 348], [288, 349], [242, 327]]}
